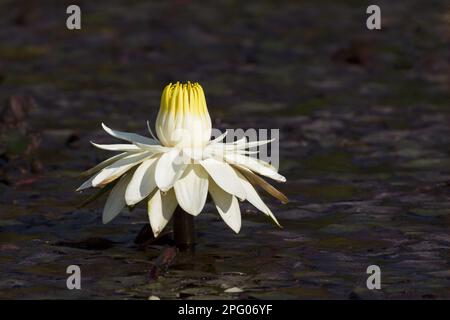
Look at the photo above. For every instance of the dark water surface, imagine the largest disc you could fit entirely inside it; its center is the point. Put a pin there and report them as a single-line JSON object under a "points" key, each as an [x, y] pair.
{"points": [[364, 142]]}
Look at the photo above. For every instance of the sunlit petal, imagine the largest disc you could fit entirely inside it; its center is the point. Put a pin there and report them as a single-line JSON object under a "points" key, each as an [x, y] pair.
{"points": [[169, 169], [257, 180], [131, 137], [254, 198], [256, 165], [116, 200], [227, 205], [118, 168], [225, 177], [142, 183], [117, 147], [160, 209], [192, 189], [104, 164]]}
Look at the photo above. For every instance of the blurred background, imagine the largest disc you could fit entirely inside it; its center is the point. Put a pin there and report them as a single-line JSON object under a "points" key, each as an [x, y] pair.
{"points": [[364, 143]]}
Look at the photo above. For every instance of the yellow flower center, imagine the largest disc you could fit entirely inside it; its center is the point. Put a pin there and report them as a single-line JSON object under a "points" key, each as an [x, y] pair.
{"points": [[183, 119]]}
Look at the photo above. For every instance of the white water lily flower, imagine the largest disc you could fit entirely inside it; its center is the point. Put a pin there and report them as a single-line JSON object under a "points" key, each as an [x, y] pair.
{"points": [[182, 165]]}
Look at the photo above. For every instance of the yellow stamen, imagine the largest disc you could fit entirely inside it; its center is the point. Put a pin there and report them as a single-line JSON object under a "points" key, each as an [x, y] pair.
{"points": [[183, 107]]}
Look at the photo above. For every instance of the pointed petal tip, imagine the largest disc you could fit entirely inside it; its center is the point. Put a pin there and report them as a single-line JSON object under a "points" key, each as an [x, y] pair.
{"points": [[105, 127], [192, 211], [106, 220], [84, 186], [94, 144], [160, 210], [276, 222], [156, 233], [236, 230], [130, 202]]}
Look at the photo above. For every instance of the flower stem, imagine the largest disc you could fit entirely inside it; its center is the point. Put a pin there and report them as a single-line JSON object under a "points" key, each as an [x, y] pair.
{"points": [[183, 230]]}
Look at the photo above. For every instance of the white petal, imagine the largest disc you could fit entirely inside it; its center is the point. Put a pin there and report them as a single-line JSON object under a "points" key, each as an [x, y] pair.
{"points": [[116, 147], [254, 179], [219, 138], [218, 150], [195, 154], [224, 175], [169, 169], [252, 144], [104, 164], [192, 189], [220, 147], [247, 152], [254, 198], [227, 205], [160, 209], [142, 183], [241, 142], [259, 166], [116, 199], [214, 150], [152, 148], [151, 132], [118, 168], [86, 184], [131, 137]]}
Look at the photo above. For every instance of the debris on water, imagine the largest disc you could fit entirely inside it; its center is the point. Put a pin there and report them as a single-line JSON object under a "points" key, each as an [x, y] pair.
{"points": [[234, 290], [73, 141], [9, 247], [18, 141], [162, 262], [354, 296], [88, 244], [357, 52]]}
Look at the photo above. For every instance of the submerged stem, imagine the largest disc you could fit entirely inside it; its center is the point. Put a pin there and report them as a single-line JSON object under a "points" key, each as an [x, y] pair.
{"points": [[183, 230]]}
